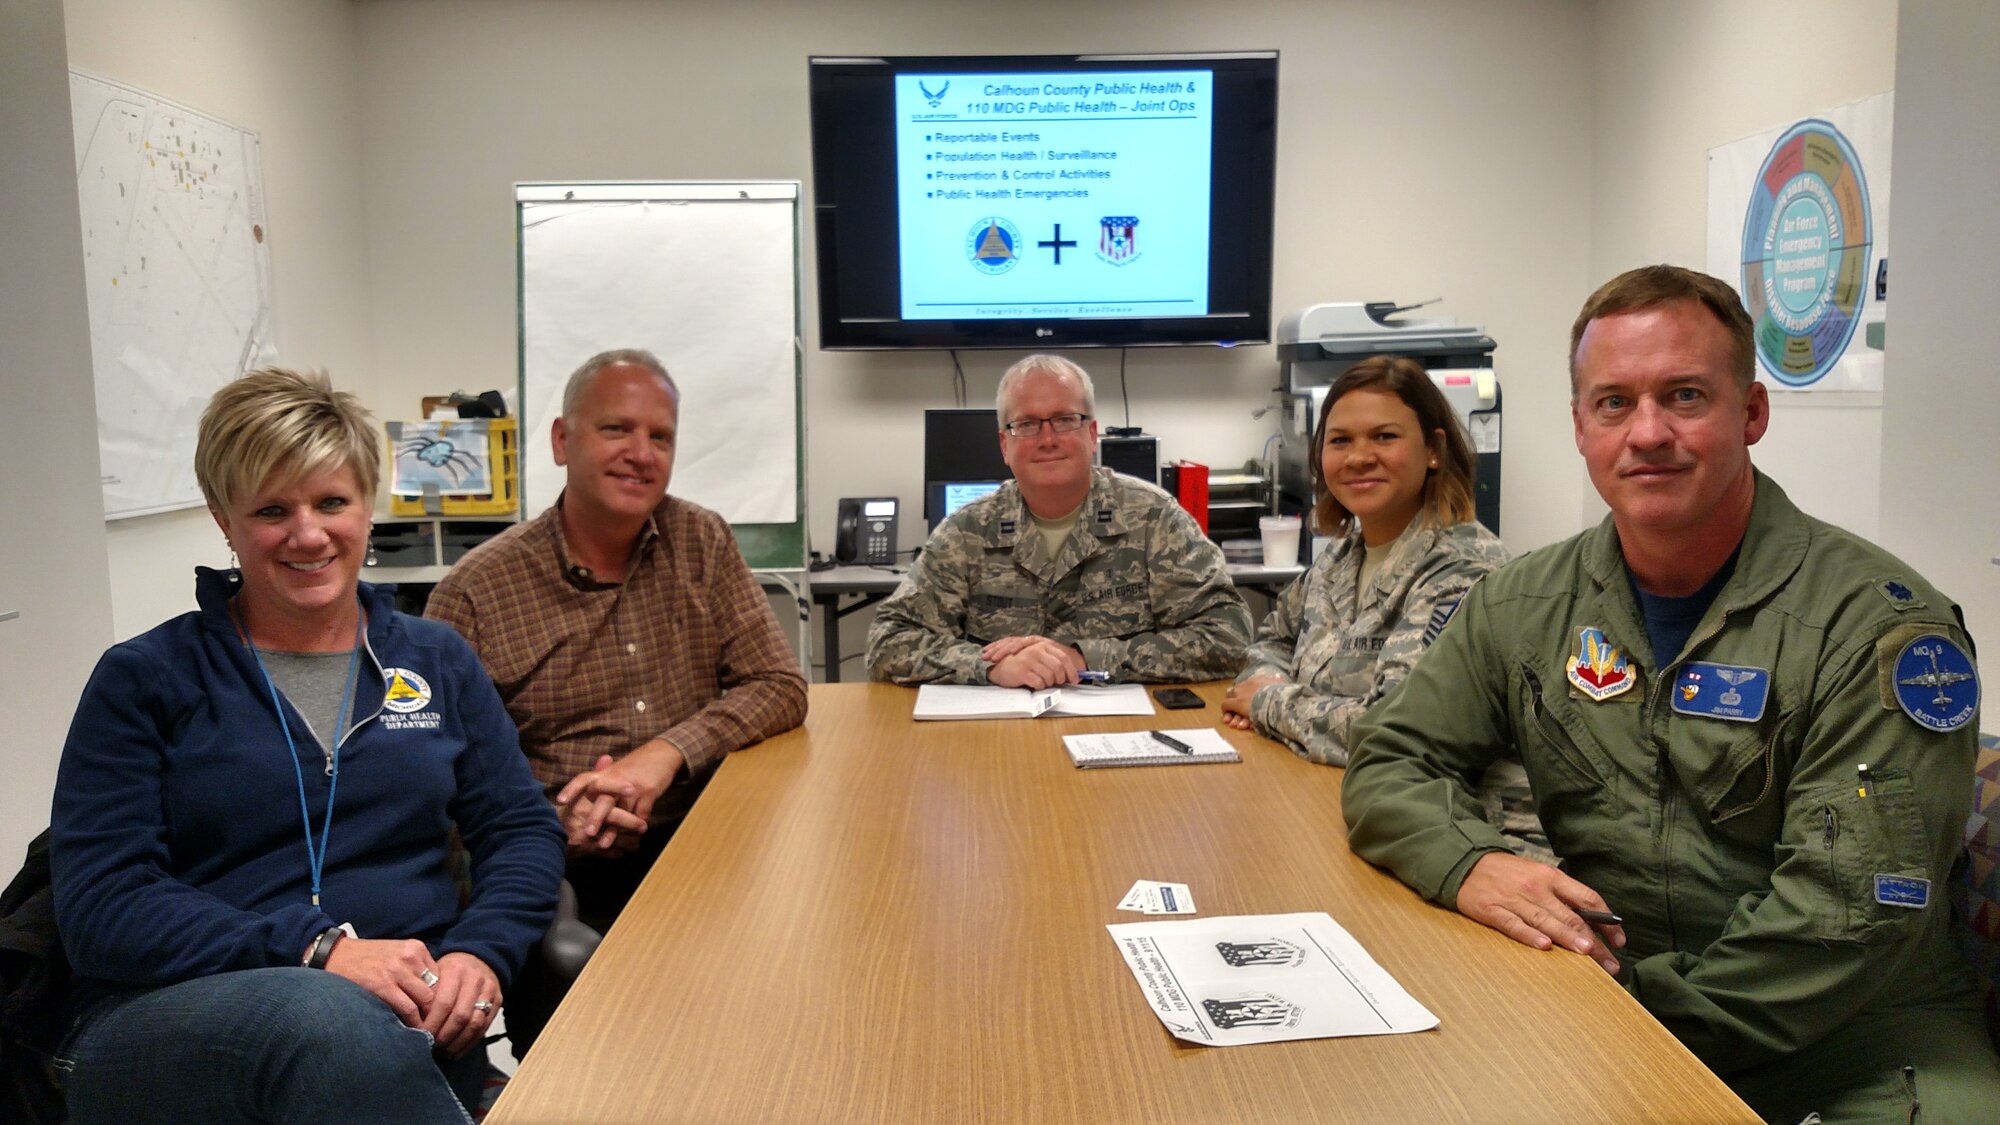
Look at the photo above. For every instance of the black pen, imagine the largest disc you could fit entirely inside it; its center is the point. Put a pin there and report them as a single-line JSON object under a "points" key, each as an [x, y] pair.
{"points": [[1861, 772], [1598, 917], [1164, 737]]}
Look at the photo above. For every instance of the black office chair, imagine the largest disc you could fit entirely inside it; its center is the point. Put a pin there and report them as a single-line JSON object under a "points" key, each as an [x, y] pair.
{"points": [[34, 981]]}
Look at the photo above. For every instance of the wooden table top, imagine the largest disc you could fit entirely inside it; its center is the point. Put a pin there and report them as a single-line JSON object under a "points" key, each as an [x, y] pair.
{"points": [[873, 919]]}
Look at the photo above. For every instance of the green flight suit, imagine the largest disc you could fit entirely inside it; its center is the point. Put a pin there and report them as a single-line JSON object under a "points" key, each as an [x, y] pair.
{"points": [[1739, 850]]}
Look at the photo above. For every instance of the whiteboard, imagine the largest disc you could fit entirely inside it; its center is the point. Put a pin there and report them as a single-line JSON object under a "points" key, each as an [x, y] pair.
{"points": [[177, 269], [705, 276]]}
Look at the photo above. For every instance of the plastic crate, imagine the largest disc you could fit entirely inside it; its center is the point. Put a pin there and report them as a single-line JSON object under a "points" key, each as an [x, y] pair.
{"points": [[503, 440]]}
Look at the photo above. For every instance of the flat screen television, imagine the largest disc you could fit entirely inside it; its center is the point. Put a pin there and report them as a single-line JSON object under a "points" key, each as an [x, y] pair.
{"points": [[1044, 201]]}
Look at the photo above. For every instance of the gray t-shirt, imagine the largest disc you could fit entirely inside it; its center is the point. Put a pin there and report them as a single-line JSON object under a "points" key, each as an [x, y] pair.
{"points": [[314, 682]]}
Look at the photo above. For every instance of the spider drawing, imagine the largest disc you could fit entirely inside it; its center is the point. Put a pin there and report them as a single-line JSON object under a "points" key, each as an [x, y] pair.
{"points": [[451, 462]]}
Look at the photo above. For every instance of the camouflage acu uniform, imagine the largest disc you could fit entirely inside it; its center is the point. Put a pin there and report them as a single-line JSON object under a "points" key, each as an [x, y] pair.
{"points": [[1136, 588], [1344, 648]]}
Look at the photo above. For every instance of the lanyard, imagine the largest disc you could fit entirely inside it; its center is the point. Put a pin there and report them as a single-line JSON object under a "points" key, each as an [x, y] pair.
{"points": [[315, 856]]}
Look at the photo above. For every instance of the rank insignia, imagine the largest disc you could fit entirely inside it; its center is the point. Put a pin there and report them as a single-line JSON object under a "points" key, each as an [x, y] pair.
{"points": [[1899, 595], [1722, 691], [1440, 617], [1006, 527], [1936, 683], [1598, 669]]}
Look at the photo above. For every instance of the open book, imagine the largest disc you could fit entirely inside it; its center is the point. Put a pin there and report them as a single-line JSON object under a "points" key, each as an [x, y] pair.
{"points": [[983, 701]]}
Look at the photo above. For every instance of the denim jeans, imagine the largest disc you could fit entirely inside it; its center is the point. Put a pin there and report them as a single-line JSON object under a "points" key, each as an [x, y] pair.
{"points": [[260, 1045]]}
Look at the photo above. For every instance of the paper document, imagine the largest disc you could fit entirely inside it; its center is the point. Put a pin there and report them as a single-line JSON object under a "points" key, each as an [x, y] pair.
{"points": [[1150, 897], [983, 701], [1264, 978], [1148, 748]]}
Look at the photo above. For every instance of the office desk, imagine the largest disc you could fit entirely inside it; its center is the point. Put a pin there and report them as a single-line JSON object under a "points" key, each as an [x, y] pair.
{"points": [[870, 584], [873, 919]]}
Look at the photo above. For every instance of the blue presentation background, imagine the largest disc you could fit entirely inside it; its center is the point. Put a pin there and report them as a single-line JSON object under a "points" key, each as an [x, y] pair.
{"points": [[1160, 176]]}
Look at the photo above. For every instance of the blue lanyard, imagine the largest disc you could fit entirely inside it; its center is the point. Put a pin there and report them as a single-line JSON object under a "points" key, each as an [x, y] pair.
{"points": [[315, 856]]}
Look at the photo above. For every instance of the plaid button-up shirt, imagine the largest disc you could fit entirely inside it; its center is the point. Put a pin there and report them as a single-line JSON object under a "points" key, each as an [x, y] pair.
{"points": [[686, 648]]}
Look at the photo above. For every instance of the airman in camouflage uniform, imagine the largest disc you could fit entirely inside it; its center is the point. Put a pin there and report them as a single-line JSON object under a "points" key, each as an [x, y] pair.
{"points": [[1065, 569], [1341, 649], [1136, 588]]}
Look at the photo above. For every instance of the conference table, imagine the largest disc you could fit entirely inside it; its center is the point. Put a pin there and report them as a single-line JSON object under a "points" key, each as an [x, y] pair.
{"points": [[873, 919]]}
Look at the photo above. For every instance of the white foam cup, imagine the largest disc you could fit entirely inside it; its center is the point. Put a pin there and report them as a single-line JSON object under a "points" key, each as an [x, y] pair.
{"points": [[1281, 540]]}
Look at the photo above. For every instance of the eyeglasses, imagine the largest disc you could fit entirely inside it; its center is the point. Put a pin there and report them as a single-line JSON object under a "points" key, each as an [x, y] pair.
{"points": [[1061, 423]]}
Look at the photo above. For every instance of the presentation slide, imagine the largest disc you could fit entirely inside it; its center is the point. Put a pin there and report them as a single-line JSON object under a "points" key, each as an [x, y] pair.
{"points": [[1071, 194]]}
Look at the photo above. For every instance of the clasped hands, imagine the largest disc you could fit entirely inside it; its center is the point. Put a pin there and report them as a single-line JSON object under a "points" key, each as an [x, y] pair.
{"points": [[444, 997], [1537, 905], [1236, 701], [1032, 662], [605, 809]]}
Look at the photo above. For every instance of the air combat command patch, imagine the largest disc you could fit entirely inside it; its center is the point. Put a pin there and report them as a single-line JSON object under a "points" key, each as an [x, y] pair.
{"points": [[1598, 670]]}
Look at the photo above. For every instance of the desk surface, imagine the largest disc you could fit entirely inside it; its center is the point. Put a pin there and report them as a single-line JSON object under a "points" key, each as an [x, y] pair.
{"points": [[873, 919]]}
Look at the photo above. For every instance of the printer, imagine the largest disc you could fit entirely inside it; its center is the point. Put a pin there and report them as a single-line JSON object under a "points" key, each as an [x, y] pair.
{"points": [[1320, 342]]}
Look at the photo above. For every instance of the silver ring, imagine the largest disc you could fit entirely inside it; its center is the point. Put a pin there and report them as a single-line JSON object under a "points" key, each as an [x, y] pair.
{"points": [[429, 978], [482, 1005]]}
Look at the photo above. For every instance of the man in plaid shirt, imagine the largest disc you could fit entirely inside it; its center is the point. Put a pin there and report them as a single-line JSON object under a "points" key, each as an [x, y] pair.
{"points": [[629, 640]]}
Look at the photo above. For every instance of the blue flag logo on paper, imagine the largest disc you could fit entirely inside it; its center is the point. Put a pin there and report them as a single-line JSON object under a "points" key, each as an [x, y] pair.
{"points": [[1936, 683]]}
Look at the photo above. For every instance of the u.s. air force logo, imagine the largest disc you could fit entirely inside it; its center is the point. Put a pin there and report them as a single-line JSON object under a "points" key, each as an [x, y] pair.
{"points": [[406, 700]]}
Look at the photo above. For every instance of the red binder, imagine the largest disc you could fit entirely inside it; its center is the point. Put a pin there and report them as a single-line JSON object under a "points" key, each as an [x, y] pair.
{"points": [[1194, 492]]}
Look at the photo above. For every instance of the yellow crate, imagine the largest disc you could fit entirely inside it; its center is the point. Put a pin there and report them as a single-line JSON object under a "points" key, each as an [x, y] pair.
{"points": [[503, 440]]}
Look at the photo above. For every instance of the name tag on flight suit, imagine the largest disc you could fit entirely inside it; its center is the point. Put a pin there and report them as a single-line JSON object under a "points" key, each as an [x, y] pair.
{"points": [[1722, 691]]}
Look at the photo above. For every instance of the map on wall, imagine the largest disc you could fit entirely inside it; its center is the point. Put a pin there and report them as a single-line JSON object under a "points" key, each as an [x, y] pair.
{"points": [[1798, 221], [177, 266]]}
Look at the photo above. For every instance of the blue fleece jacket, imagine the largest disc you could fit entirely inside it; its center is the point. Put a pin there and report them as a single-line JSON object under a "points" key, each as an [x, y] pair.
{"points": [[176, 837]]}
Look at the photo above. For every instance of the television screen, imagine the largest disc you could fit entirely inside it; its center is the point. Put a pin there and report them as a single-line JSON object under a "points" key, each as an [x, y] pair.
{"points": [[1044, 201]]}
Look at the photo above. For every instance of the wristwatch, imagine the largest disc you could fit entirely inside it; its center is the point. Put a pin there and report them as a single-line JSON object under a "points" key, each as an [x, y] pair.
{"points": [[322, 947]]}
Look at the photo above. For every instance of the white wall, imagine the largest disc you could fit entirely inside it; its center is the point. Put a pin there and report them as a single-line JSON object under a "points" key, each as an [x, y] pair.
{"points": [[1675, 80], [287, 69], [1940, 483], [1431, 148], [52, 569]]}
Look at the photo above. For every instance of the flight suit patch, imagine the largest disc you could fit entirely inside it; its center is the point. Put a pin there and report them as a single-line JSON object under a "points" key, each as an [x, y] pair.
{"points": [[1598, 670], [1929, 677], [1722, 691], [1903, 891]]}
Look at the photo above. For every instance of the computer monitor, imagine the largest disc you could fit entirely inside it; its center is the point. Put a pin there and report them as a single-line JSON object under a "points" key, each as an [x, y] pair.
{"points": [[961, 446], [946, 497]]}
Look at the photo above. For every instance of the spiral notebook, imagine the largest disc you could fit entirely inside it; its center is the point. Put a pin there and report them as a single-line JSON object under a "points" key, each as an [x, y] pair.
{"points": [[1141, 748]]}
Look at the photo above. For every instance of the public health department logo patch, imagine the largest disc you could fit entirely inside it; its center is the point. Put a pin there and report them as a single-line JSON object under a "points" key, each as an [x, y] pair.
{"points": [[1936, 683], [1806, 241], [993, 245], [407, 691]]}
